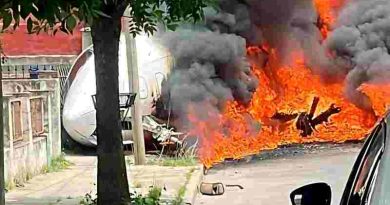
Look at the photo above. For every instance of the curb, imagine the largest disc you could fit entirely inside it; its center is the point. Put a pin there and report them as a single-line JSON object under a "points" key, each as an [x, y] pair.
{"points": [[192, 186]]}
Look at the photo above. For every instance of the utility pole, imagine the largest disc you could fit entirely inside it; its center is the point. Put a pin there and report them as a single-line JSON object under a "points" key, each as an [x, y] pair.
{"points": [[2, 181], [86, 37], [136, 111]]}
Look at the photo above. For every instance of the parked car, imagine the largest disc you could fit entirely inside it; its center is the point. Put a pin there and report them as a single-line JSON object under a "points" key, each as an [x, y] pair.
{"points": [[369, 181]]}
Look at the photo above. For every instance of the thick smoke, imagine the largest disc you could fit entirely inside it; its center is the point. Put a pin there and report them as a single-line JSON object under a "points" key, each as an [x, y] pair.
{"points": [[234, 17], [359, 44], [259, 22], [362, 40], [210, 69], [284, 25]]}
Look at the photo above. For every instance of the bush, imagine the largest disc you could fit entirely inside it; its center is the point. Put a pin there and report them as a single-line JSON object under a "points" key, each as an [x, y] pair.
{"points": [[152, 198]]}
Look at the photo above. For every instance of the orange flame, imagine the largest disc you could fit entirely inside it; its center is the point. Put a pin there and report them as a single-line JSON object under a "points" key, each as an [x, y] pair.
{"points": [[284, 89], [327, 10], [233, 135]]}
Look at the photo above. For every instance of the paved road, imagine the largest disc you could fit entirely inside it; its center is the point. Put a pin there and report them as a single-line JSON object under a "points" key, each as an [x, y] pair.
{"points": [[269, 181]]}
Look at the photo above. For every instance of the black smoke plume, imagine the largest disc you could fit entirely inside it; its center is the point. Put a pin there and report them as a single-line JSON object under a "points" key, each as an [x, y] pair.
{"points": [[210, 68], [361, 39]]}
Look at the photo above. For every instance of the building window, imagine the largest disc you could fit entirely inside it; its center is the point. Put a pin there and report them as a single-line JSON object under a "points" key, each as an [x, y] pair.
{"points": [[17, 129], [36, 116]]}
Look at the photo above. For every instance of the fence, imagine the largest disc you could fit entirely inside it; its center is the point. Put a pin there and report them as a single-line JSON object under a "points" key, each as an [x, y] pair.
{"points": [[16, 72], [24, 71]]}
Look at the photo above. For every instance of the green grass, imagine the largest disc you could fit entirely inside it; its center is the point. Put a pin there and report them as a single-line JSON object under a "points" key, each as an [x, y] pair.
{"points": [[174, 161], [179, 199], [9, 185], [57, 164], [180, 196], [189, 174]]}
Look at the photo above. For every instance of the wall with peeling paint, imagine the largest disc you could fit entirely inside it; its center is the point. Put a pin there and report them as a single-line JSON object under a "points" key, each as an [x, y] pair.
{"points": [[30, 156]]}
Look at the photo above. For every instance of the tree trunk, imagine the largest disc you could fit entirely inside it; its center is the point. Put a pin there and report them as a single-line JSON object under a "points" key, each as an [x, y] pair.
{"points": [[112, 184]]}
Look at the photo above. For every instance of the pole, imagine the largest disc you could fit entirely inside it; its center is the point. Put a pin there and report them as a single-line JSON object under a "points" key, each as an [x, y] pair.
{"points": [[136, 111], [86, 37], [2, 181]]}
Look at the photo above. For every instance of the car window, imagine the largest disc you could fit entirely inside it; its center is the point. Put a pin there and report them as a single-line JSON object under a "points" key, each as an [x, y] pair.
{"points": [[356, 166], [371, 186], [380, 195], [369, 163]]}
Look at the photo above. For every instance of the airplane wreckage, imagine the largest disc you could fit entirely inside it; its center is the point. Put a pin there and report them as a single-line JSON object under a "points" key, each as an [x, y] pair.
{"points": [[79, 114]]}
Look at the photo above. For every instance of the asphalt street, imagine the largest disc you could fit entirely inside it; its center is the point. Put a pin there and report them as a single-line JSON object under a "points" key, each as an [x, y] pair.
{"points": [[269, 178]]}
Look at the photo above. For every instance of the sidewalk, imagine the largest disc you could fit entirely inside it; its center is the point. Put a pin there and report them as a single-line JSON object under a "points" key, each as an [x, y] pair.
{"points": [[69, 186]]}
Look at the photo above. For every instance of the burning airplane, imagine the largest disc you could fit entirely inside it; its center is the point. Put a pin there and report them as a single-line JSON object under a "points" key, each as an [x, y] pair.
{"points": [[259, 75], [270, 75], [79, 114]]}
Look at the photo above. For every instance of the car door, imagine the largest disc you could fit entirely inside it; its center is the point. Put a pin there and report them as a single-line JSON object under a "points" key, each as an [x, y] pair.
{"points": [[365, 169]]}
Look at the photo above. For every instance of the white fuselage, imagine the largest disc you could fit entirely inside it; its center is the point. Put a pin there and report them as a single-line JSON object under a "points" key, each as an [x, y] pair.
{"points": [[79, 115]]}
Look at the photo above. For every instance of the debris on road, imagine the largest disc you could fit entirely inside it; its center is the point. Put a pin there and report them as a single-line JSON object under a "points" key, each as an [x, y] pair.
{"points": [[214, 189], [234, 185]]}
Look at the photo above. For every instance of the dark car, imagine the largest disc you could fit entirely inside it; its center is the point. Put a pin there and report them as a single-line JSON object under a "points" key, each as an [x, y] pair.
{"points": [[369, 181]]}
